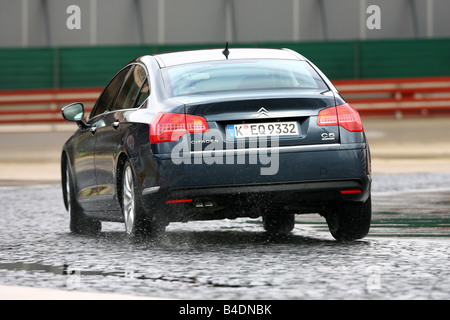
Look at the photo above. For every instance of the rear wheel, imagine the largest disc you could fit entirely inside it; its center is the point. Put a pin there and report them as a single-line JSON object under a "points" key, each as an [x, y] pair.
{"points": [[351, 221], [129, 201], [279, 223], [138, 221], [79, 222]]}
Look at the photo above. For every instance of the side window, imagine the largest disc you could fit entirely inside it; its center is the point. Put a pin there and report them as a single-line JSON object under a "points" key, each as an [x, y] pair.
{"points": [[129, 94], [143, 94], [109, 94]]}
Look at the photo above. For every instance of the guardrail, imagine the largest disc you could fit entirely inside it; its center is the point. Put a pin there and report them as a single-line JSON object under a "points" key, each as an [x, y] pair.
{"points": [[406, 97], [42, 106]]}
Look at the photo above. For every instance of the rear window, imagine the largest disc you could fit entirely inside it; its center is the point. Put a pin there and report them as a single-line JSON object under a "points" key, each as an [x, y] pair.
{"points": [[241, 75]]}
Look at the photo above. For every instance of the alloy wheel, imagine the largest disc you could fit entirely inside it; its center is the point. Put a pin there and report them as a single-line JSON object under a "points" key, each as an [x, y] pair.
{"points": [[128, 200]]}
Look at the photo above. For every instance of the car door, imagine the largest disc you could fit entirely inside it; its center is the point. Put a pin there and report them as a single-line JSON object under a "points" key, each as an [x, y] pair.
{"points": [[83, 144], [109, 138], [98, 121]]}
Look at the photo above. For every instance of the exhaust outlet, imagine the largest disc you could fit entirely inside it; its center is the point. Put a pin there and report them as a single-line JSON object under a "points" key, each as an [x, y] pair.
{"points": [[204, 204]]}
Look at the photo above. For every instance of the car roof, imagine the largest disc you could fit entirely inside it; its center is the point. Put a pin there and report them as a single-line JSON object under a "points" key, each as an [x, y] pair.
{"points": [[208, 55]]}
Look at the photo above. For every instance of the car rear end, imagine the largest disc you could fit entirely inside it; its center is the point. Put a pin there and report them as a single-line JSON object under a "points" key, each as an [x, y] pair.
{"points": [[250, 137]]}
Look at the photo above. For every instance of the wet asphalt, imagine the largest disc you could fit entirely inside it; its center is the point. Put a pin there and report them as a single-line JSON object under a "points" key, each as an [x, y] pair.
{"points": [[405, 255]]}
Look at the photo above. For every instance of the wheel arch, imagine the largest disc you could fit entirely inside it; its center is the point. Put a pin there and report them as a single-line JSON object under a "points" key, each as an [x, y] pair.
{"points": [[121, 158]]}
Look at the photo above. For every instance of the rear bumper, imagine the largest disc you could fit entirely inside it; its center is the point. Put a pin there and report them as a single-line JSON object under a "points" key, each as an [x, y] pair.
{"points": [[307, 178], [256, 200]]}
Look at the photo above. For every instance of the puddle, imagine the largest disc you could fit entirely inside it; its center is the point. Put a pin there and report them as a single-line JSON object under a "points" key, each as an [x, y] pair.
{"points": [[57, 270]]}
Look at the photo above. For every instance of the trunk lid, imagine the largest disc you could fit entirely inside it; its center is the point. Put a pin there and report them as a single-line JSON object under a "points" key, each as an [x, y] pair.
{"points": [[261, 118]]}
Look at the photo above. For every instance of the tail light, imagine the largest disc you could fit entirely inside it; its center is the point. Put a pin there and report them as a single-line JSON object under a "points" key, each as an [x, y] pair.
{"points": [[172, 126], [353, 191], [179, 201], [343, 115]]}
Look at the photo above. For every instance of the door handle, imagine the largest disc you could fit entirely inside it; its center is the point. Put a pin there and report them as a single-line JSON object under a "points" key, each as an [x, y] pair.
{"points": [[115, 125]]}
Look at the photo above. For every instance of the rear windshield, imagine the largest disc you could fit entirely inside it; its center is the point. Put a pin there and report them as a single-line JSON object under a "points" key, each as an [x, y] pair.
{"points": [[241, 75]]}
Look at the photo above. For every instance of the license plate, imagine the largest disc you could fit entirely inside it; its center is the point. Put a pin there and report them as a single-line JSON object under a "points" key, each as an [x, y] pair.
{"points": [[267, 129]]}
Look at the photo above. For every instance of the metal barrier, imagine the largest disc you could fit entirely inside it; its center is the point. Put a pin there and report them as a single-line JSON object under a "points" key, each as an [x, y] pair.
{"points": [[405, 97], [42, 106]]}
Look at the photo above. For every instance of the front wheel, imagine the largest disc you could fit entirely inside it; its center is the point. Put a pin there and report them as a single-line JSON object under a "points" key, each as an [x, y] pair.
{"points": [[79, 222], [279, 223], [351, 221]]}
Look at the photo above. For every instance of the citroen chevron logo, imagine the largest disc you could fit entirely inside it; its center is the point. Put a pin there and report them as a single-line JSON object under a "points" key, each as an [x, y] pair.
{"points": [[262, 113]]}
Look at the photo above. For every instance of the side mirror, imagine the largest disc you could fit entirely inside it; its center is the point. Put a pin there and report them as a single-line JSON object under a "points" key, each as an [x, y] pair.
{"points": [[75, 113]]}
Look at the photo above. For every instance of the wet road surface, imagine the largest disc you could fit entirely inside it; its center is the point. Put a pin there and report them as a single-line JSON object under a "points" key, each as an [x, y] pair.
{"points": [[405, 255]]}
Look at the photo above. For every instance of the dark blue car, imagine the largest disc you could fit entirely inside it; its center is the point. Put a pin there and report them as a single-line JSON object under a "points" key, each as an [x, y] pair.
{"points": [[215, 134]]}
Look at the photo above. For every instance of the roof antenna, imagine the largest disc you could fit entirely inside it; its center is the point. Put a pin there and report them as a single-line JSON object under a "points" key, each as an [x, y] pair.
{"points": [[226, 52]]}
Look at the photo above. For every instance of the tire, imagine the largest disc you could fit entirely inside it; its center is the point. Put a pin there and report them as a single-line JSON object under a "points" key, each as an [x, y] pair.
{"points": [[138, 220], [351, 222], [279, 224], [79, 222]]}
